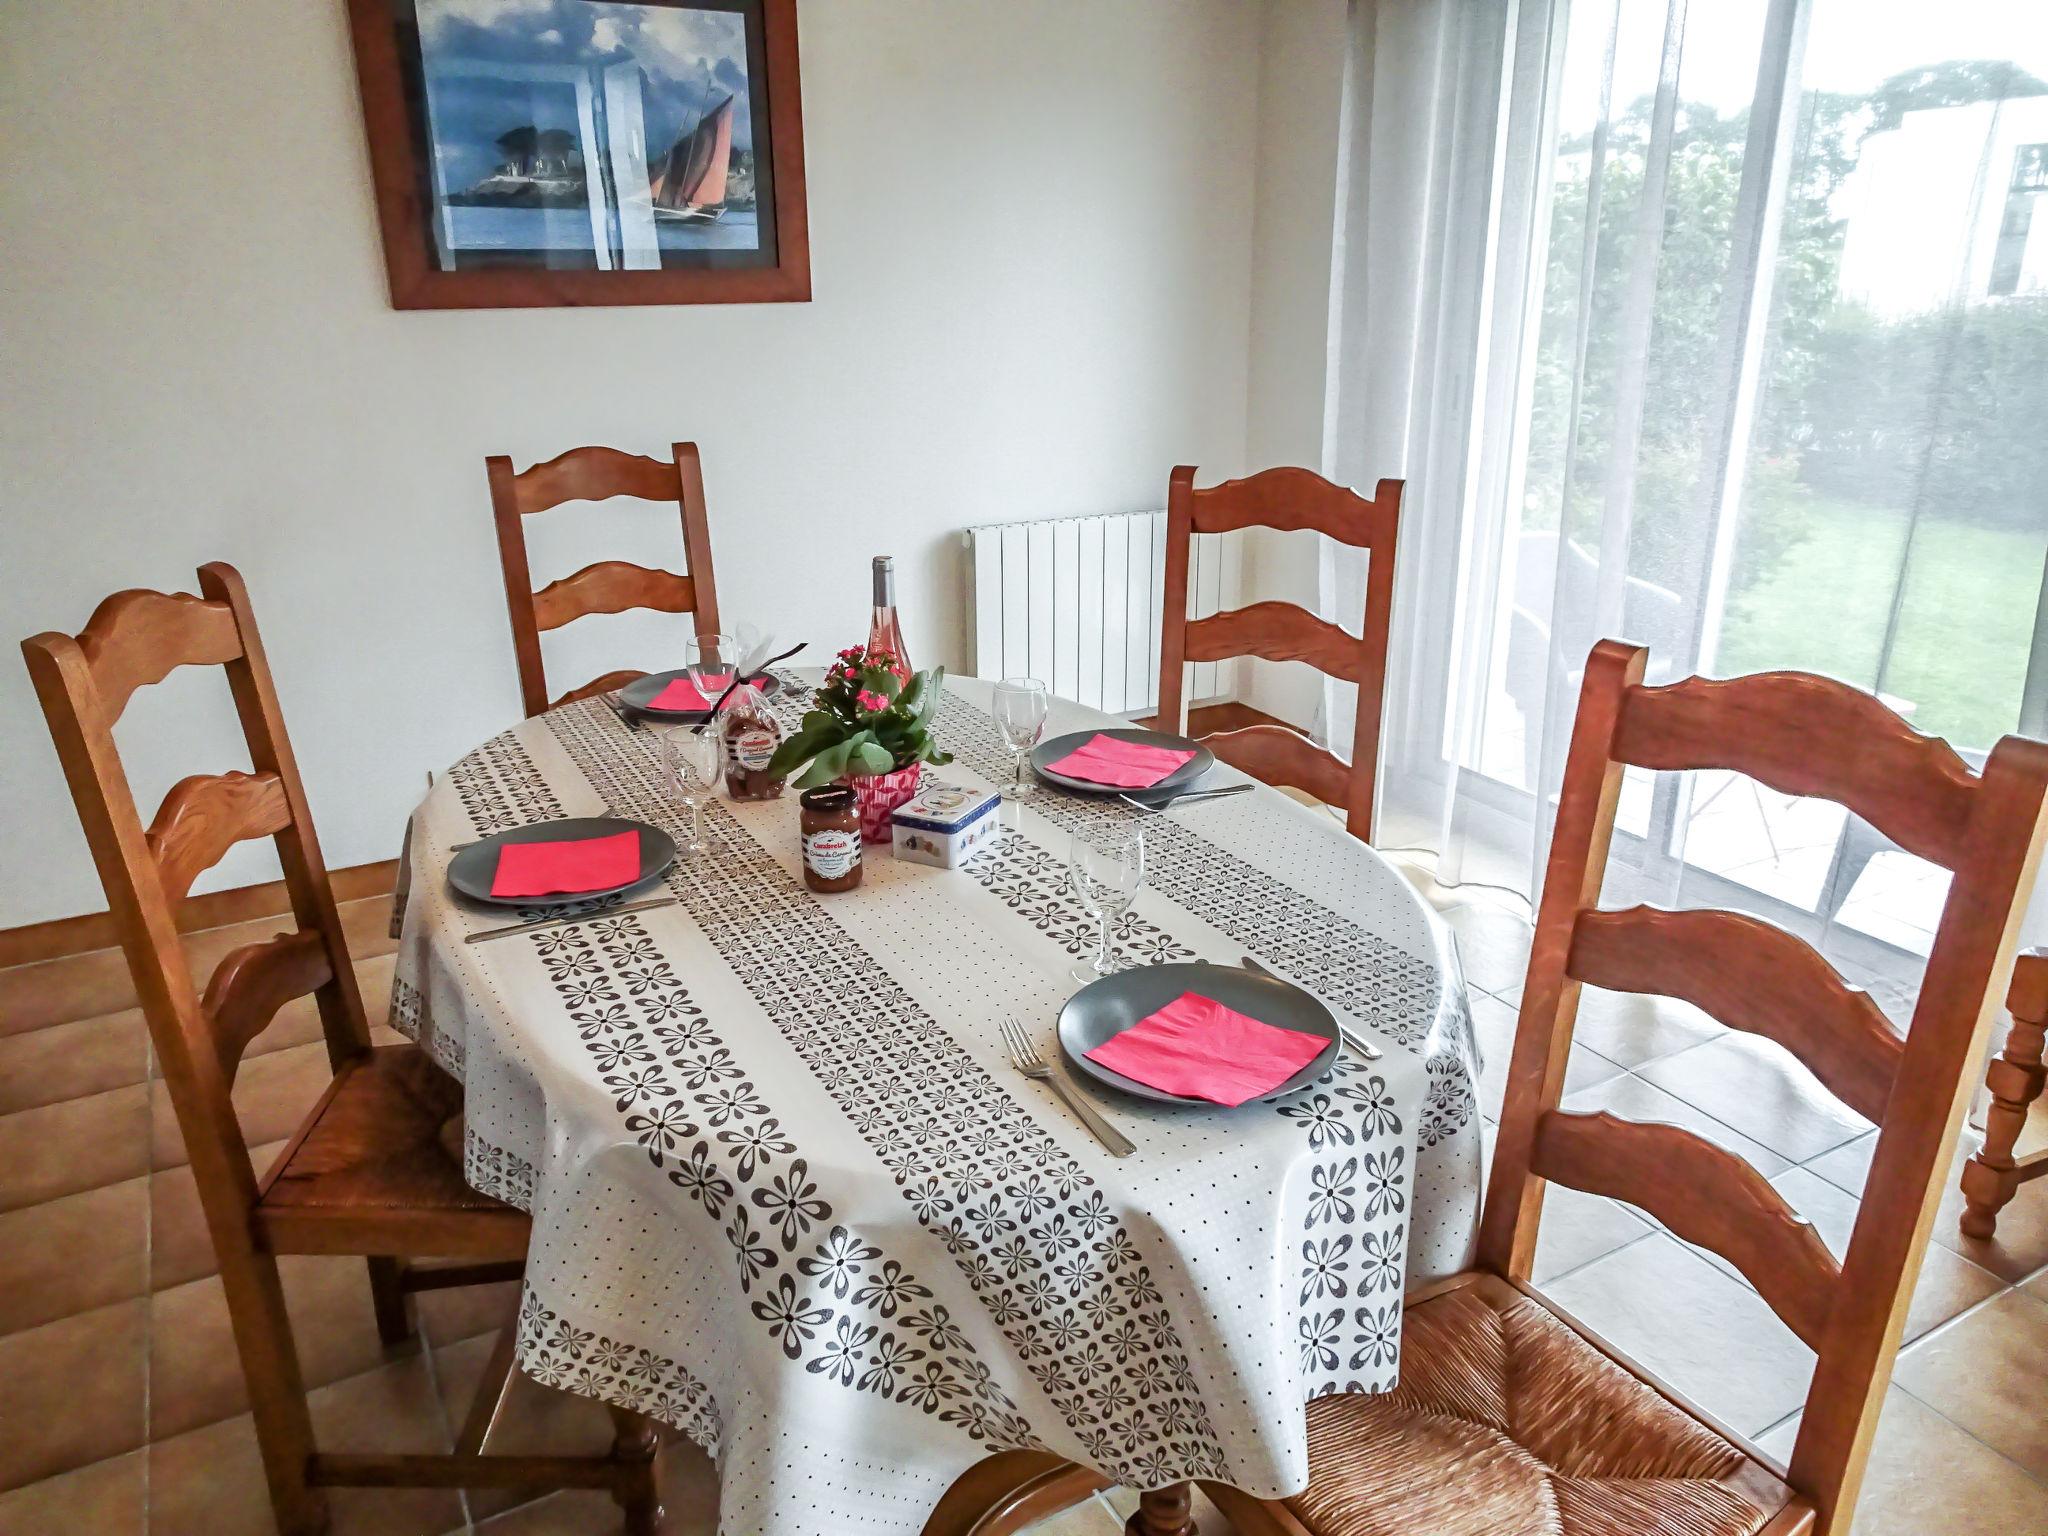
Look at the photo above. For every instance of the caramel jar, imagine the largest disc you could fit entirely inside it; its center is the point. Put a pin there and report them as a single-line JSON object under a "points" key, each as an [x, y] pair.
{"points": [[831, 831], [751, 734]]}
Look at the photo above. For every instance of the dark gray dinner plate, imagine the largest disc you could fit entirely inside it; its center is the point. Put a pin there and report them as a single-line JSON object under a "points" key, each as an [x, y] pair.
{"points": [[1052, 751], [1106, 1008], [636, 694], [473, 868]]}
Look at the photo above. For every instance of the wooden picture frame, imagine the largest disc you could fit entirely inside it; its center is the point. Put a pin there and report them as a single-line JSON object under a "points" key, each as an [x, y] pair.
{"points": [[538, 229]]}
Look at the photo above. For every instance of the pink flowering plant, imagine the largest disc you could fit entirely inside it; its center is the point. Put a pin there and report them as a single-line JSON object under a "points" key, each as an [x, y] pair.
{"points": [[870, 716]]}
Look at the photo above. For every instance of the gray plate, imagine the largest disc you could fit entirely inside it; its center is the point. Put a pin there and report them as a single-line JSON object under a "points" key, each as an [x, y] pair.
{"points": [[1189, 771], [636, 694], [1106, 1008], [473, 868]]}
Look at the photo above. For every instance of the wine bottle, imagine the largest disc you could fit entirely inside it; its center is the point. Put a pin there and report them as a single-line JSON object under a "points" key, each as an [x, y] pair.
{"points": [[885, 633]]}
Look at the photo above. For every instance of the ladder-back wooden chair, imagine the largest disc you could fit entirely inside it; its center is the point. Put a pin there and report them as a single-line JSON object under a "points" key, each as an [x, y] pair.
{"points": [[609, 586], [1289, 500], [366, 1174], [1993, 1175], [1503, 1404]]}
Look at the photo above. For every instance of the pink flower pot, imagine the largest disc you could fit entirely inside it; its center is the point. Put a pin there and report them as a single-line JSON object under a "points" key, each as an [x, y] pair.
{"points": [[878, 795]]}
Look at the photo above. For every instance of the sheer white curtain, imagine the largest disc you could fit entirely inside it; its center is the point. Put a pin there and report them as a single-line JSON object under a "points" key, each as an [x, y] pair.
{"points": [[1721, 328]]}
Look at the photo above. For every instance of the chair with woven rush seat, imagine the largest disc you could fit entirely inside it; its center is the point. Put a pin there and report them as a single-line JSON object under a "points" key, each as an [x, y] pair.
{"points": [[1508, 1416], [1287, 500], [609, 586], [368, 1173]]}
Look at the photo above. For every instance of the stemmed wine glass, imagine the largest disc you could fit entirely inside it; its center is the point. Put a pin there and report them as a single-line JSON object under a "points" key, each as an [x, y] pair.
{"points": [[693, 760], [711, 661], [1020, 708], [1105, 869]]}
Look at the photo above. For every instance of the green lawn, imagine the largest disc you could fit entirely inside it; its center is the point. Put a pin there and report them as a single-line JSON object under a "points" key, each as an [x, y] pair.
{"points": [[1961, 654]]}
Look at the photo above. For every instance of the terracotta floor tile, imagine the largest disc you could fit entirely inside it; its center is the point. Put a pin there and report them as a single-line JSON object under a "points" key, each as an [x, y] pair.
{"points": [[195, 1371], [71, 1255], [104, 1498], [2020, 1245], [1710, 1337], [1493, 944], [1494, 1023], [535, 1419], [210, 1480], [689, 1501], [59, 991], [69, 1061], [74, 1391], [1635, 1098], [1578, 1228], [60, 1149], [180, 1248], [462, 1312], [1927, 1476], [1632, 1027], [1759, 1088], [2038, 1286], [272, 1095], [1988, 1372]]}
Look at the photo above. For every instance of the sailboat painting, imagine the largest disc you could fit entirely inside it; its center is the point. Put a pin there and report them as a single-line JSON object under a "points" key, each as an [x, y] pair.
{"points": [[597, 136]]}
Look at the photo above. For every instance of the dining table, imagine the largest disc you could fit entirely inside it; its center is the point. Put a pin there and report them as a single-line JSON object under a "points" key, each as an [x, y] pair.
{"points": [[791, 1197]]}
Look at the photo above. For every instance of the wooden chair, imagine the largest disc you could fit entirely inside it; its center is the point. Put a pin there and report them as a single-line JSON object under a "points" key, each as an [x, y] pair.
{"points": [[1511, 1417], [1993, 1176], [610, 586], [1287, 499], [366, 1174]]}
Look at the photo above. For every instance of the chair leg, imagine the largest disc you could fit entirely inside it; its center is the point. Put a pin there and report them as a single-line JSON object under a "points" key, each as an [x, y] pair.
{"points": [[1163, 1512], [635, 1444], [387, 1296], [2016, 1078], [277, 1389]]}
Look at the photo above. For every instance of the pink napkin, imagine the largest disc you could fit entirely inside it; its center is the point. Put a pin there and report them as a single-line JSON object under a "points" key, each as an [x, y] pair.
{"points": [[682, 694], [1199, 1049], [554, 869], [1126, 764]]}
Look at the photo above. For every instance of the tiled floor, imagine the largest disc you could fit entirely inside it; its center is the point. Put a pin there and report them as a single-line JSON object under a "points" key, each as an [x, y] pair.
{"points": [[121, 1403]]}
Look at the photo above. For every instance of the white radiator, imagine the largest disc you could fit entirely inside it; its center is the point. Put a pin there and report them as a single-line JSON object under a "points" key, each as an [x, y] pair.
{"points": [[1075, 601]]}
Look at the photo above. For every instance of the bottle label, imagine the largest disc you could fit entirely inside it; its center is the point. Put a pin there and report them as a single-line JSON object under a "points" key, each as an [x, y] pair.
{"points": [[831, 853], [752, 749]]}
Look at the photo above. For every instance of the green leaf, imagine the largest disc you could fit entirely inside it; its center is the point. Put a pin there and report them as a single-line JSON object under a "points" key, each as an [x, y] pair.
{"points": [[873, 757]]}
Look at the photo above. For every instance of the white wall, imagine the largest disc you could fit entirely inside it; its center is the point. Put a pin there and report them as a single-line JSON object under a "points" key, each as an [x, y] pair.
{"points": [[1032, 235], [1301, 92]]}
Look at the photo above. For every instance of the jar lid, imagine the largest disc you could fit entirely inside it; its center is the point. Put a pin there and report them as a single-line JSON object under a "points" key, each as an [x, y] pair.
{"points": [[827, 798]]}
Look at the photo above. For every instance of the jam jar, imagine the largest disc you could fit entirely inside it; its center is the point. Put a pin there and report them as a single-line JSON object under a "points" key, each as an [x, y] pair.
{"points": [[831, 832]]}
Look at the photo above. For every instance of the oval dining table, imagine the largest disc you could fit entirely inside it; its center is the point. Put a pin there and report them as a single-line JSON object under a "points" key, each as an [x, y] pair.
{"points": [[791, 1197]]}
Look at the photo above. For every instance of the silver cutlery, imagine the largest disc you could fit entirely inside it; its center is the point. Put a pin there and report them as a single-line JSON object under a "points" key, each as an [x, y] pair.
{"points": [[1191, 796], [1026, 1061], [534, 925], [1352, 1037]]}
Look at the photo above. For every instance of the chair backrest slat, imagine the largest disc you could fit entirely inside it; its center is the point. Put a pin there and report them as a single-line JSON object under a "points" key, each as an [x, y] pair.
{"points": [[1750, 976], [1288, 500], [82, 682], [1703, 1194], [611, 586], [1803, 735], [205, 815]]}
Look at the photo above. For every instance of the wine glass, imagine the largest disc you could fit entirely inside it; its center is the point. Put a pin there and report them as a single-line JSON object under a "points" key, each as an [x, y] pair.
{"points": [[711, 661], [1105, 868], [1020, 708], [693, 760]]}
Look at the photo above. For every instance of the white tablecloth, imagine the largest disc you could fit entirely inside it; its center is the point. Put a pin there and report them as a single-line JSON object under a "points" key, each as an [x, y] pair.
{"points": [[789, 1196]]}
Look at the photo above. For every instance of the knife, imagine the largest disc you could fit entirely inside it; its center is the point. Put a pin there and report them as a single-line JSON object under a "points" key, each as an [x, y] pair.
{"points": [[1352, 1037]]}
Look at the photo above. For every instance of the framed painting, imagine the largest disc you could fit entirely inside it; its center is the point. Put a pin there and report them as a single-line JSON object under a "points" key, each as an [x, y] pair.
{"points": [[542, 152]]}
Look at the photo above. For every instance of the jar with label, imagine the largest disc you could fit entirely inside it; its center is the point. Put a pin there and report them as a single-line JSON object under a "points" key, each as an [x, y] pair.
{"points": [[751, 735], [831, 831]]}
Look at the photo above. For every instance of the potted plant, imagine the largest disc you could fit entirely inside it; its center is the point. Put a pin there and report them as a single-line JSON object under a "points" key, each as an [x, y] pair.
{"points": [[869, 727]]}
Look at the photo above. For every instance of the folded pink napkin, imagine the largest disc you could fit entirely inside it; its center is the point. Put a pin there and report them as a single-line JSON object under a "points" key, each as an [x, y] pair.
{"points": [[682, 694], [1199, 1049], [1126, 764], [556, 869]]}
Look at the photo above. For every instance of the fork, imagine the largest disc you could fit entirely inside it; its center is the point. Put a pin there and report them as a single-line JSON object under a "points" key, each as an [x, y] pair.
{"points": [[1026, 1061]]}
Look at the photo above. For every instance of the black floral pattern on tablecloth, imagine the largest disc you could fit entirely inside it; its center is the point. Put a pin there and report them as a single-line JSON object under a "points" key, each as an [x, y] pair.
{"points": [[968, 1157]]}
